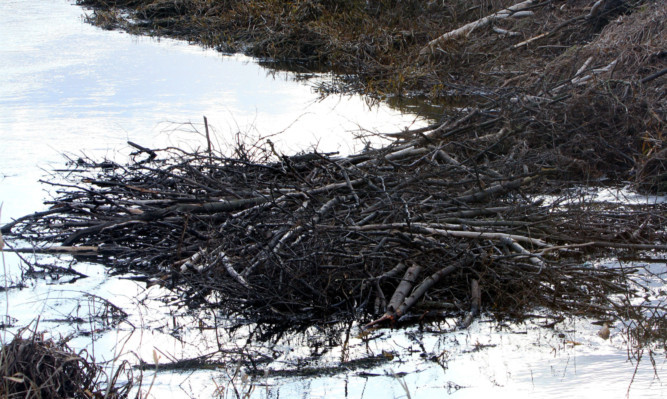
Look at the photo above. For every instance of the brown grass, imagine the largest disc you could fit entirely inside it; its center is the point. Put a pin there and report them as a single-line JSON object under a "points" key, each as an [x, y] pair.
{"points": [[39, 367]]}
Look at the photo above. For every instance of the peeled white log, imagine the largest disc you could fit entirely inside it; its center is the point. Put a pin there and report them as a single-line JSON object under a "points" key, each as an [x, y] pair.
{"points": [[434, 230], [403, 289], [421, 289], [468, 28], [230, 269]]}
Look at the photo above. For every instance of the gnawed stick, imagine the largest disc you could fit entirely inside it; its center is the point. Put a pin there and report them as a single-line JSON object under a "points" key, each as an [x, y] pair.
{"points": [[534, 259], [192, 261], [475, 304], [403, 289], [421, 289], [224, 260], [381, 300], [400, 293], [433, 229], [468, 28]]}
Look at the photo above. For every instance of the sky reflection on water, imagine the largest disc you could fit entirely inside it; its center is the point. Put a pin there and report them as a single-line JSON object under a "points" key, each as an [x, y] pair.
{"points": [[68, 87]]}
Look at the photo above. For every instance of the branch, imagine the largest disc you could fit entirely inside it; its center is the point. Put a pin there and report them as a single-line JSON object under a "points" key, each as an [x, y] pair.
{"points": [[468, 28]]}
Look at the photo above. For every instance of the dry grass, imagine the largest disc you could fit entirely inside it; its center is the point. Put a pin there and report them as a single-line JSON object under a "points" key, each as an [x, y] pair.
{"points": [[36, 367]]}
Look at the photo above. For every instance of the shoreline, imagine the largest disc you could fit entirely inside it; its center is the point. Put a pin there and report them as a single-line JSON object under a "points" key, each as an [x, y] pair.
{"points": [[581, 83]]}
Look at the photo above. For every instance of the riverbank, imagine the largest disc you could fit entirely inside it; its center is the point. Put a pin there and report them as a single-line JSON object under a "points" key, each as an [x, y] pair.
{"points": [[581, 84]]}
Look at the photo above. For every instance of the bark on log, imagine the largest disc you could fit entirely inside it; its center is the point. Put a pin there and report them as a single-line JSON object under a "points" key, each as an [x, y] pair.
{"points": [[403, 289], [422, 288]]}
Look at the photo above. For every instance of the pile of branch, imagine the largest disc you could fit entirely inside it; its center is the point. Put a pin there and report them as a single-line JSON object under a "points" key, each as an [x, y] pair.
{"points": [[38, 367], [398, 233], [586, 78]]}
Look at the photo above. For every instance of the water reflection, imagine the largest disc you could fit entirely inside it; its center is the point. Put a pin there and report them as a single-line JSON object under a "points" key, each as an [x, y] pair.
{"points": [[66, 86]]}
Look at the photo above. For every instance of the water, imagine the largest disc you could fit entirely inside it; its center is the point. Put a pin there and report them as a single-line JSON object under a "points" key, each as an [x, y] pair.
{"points": [[67, 87]]}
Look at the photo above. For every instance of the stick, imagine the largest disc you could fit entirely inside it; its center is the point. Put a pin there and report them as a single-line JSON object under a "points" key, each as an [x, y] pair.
{"points": [[654, 76], [400, 293], [518, 248], [208, 141], [532, 39], [152, 154], [80, 250], [430, 229], [468, 28], [230, 269], [7, 228], [425, 285], [475, 304]]}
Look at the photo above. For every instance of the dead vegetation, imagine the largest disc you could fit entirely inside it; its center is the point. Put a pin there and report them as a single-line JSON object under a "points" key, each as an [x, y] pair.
{"points": [[39, 367], [583, 80], [314, 238], [566, 92]]}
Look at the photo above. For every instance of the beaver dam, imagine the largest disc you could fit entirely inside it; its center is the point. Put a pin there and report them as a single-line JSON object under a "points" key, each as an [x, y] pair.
{"points": [[479, 212], [315, 238]]}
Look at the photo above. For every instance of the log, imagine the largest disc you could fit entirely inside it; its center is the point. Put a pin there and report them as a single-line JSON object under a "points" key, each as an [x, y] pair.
{"points": [[400, 293], [475, 304], [423, 288], [468, 28], [403, 288]]}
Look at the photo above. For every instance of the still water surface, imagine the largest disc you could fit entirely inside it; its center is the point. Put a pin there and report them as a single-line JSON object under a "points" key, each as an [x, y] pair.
{"points": [[67, 87]]}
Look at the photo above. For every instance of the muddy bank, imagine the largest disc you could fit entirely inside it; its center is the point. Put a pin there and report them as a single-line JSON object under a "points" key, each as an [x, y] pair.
{"points": [[583, 82]]}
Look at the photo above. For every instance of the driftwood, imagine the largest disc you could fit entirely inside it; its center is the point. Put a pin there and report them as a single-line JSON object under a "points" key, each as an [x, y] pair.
{"points": [[513, 11]]}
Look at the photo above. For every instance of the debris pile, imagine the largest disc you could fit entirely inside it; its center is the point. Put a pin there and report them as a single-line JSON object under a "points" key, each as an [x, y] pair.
{"points": [[38, 367], [315, 238]]}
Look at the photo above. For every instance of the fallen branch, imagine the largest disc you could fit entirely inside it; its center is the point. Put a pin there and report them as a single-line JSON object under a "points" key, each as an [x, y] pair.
{"points": [[399, 295], [422, 288], [468, 28]]}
